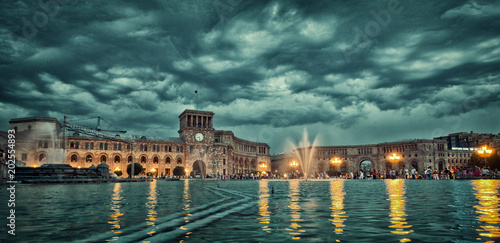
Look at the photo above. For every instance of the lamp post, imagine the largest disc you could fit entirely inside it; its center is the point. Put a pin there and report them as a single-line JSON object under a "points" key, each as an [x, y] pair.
{"points": [[484, 152], [394, 158], [336, 161], [294, 165]]}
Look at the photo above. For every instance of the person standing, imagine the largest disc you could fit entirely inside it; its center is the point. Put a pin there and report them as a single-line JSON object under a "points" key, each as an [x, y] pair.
{"points": [[428, 173], [412, 173]]}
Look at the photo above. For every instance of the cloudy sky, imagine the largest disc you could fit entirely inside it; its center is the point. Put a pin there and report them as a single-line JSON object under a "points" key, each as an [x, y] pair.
{"points": [[350, 72]]}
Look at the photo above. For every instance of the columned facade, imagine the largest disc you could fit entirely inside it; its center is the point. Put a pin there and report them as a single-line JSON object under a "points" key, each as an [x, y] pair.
{"points": [[199, 147]]}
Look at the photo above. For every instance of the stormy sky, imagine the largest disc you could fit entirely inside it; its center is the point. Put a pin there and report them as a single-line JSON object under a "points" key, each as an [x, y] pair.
{"points": [[350, 72]]}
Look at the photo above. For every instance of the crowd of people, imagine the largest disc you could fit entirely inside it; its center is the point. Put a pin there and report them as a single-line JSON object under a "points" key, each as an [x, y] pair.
{"points": [[428, 174]]}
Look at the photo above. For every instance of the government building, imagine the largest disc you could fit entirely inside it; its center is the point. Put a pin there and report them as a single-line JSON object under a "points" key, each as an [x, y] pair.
{"points": [[198, 148], [446, 152]]}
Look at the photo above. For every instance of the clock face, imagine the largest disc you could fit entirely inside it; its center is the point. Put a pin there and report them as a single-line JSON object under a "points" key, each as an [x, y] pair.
{"points": [[199, 137]]}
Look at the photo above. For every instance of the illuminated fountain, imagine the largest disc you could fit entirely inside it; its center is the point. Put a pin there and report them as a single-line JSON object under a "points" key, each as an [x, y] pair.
{"points": [[304, 152], [54, 155]]}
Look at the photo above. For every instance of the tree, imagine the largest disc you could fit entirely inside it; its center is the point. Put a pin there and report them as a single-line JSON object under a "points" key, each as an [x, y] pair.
{"points": [[492, 161], [137, 168], [118, 173], [179, 171]]}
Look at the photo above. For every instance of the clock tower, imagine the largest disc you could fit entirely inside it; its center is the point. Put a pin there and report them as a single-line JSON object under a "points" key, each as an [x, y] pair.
{"points": [[197, 131]]}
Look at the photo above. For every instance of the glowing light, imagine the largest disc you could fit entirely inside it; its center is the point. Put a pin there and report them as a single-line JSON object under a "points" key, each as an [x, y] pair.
{"points": [[485, 151], [116, 169], [336, 160], [34, 166], [294, 164], [394, 157]]}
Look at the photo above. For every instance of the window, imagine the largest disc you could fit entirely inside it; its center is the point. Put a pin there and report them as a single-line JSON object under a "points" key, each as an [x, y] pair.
{"points": [[117, 159], [72, 145], [41, 157], [86, 145], [115, 146], [101, 146], [77, 145], [223, 161], [155, 160], [167, 160], [45, 144], [106, 146], [24, 157], [143, 159], [91, 145], [179, 160], [74, 158], [103, 158], [88, 158], [191, 149], [120, 146], [182, 149], [145, 147], [130, 159], [40, 143]]}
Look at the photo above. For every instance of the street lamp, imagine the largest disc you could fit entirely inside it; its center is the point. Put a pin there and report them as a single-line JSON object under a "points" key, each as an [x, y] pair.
{"points": [[336, 160], [484, 152], [394, 158]]}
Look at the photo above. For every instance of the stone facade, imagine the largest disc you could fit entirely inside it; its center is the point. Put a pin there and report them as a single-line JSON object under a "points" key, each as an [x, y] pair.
{"points": [[418, 154], [41, 140]]}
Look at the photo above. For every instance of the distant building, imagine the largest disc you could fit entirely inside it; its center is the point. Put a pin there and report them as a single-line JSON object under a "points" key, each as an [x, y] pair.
{"points": [[199, 147], [452, 151], [456, 141]]}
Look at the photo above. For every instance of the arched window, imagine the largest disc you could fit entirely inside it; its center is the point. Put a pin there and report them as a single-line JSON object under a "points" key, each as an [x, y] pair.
{"points": [[117, 159], [42, 157], [74, 158], [103, 158], [179, 160], [155, 160], [130, 159], [88, 158], [143, 159], [167, 160]]}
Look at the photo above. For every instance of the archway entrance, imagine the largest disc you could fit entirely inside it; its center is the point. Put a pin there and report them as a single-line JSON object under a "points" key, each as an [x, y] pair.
{"points": [[366, 166], [441, 165], [199, 168], [414, 164]]}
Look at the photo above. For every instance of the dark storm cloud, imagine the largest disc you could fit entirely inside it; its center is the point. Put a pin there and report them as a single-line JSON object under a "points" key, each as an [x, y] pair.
{"points": [[343, 68]]}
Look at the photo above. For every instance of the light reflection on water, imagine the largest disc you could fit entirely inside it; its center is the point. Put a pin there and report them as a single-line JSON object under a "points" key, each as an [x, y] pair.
{"points": [[311, 211], [487, 209], [115, 207], [151, 205], [338, 214], [294, 197], [264, 213], [396, 193]]}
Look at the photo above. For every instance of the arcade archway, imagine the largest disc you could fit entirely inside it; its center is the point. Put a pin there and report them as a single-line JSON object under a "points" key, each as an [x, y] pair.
{"points": [[199, 167], [366, 165]]}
